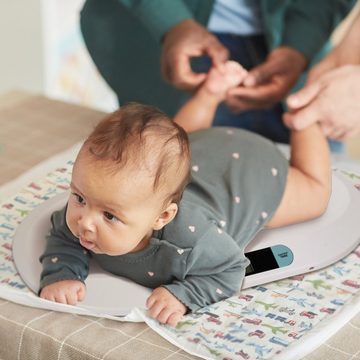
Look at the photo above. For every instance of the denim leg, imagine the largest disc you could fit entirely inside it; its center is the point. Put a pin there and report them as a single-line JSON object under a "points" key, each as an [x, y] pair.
{"points": [[337, 147]]}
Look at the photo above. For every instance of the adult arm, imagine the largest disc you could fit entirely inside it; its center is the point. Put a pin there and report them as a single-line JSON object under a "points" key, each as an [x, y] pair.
{"points": [[332, 78], [307, 26], [185, 40], [158, 16], [345, 53], [172, 23], [332, 101]]}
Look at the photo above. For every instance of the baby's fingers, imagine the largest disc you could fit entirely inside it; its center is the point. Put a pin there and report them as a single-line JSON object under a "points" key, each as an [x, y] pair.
{"points": [[47, 296], [71, 298], [174, 318], [150, 301], [51, 295], [61, 298], [155, 307], [81, 293], [164, 315]]}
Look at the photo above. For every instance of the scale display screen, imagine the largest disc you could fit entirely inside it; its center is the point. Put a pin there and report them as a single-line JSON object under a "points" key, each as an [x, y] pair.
{"points": [[268, 258]]}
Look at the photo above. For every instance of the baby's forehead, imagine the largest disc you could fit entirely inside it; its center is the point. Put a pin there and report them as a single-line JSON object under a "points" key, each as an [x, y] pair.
{"points": [[149, 161], [136, 171]]}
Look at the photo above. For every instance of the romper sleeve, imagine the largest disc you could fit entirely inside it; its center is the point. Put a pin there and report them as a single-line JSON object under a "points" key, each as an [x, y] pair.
{"points": [[215, 270], [64, 258], [309, 24]]}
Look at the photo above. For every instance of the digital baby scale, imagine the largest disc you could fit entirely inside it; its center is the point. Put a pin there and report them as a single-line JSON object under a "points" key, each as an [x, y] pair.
{"points": [[296, 249], [274, 254]]}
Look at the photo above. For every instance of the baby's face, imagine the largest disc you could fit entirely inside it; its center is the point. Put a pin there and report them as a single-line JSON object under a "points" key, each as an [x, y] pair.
{"points": [[111, 213]]}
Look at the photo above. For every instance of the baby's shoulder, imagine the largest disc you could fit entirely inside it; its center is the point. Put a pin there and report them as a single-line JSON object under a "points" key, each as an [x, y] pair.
{"points": [[194, 226], [190, 225]]}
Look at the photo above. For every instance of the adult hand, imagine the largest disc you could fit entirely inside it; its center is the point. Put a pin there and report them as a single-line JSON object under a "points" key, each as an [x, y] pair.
{"points": [[268, 83], [182, 42], [65, 292], [165, 307], [331, 100]]}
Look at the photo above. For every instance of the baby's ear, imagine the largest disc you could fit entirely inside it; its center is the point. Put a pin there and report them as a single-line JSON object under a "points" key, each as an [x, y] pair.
{"points": [[166, 216]]}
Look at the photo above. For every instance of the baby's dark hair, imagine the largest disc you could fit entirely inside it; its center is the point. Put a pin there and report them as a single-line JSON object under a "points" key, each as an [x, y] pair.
{"points": [[146, 137]]}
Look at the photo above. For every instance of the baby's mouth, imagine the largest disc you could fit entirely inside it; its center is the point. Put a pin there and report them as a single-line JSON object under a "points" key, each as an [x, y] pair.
{"points": [[86, 244]]}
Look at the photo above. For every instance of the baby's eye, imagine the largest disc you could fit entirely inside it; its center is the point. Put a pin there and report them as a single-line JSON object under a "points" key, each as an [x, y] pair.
{"points": [[110, 216], [79, 198]]}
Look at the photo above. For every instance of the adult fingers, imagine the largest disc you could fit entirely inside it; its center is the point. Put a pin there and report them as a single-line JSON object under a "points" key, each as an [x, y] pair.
{"points": [[239, 104], [178, 72], [352, 132], [335, 133], [261, 74], [302, 118], [218, 53], [189, 80], [269, 92], [288, 119], [347, 134], [261, 97], [304, 96], [320, 69], [182, 74]]}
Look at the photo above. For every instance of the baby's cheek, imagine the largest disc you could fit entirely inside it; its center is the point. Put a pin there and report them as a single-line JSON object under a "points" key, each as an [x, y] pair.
{"points": [[72, 223]]}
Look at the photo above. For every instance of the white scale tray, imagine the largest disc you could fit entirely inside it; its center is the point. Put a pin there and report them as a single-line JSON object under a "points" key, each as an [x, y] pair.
{"points": [[314, 244]]}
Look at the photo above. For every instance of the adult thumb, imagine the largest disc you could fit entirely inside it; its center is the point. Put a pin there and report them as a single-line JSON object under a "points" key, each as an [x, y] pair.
{"points": [[217, 52], [260, 74], [304, 96], [301, 119]]}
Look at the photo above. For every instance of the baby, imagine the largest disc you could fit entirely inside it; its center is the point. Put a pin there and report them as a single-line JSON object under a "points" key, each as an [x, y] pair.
{"points": [[135, 210]]}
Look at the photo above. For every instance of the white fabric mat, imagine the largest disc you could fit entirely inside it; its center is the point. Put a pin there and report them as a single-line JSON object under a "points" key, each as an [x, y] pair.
{"points": [[282, 320]]}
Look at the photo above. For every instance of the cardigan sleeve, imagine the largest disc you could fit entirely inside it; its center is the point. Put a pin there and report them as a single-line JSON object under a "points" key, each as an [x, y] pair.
{"points": [[158, 16], [308, 24]]}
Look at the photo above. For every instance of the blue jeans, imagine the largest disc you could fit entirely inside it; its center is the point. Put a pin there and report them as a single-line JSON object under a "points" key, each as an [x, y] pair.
{"points": [[250, 51]]}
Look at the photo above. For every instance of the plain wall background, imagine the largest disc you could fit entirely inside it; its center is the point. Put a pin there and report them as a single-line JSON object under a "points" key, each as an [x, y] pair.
{"points": [[42, 52], [21, 43]]}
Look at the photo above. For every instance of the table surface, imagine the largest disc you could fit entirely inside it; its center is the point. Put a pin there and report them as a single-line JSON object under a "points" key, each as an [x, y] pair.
{"points": [[34, 128]]}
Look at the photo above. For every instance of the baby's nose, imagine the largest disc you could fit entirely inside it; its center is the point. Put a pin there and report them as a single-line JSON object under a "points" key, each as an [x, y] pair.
{"points": [[86, 223]]}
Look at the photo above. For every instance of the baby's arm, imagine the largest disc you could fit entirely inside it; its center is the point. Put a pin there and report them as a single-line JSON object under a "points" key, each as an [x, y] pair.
{"points": [[213, 271], [65, 292], [65, 264], [198, 112], [308, 186]]}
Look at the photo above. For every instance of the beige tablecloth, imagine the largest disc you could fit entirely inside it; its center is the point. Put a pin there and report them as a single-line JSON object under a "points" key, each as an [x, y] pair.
{"points": [[32, 129]]}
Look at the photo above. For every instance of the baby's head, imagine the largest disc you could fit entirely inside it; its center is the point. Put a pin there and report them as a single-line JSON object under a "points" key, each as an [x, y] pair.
{"points": [[128, 179]]}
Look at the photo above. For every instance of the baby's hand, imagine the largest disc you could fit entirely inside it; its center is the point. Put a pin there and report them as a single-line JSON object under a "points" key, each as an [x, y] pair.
{"points": [[65, 292], [220, 80], [165, 307]]}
